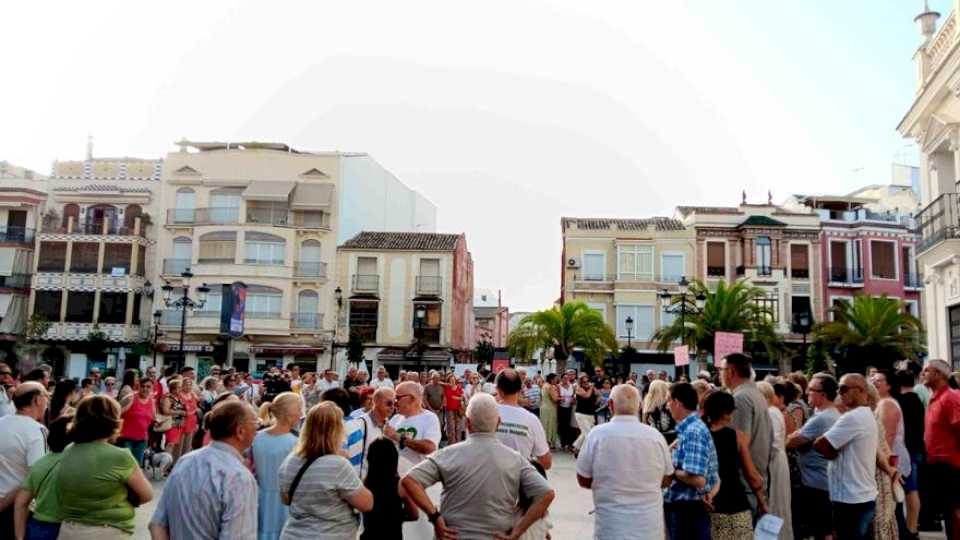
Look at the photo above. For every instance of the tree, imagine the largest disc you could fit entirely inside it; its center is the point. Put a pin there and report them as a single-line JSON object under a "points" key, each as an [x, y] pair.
{"points": [[484, 352], [563, 328], [728, 308], [870, 331], [354, 348]]}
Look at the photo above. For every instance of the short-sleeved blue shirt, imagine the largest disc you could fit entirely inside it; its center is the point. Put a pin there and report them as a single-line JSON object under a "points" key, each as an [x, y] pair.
{"points": [[813, 466]]}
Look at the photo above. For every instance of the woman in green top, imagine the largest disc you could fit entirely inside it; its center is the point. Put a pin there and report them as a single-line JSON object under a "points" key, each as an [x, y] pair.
{"points": [[96, 480], [44, 524]]}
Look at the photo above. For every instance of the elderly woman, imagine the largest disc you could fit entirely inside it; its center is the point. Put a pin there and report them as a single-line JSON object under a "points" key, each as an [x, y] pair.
{"points": [[322, 502], [655, 411], [779, 467], [95, 479]]}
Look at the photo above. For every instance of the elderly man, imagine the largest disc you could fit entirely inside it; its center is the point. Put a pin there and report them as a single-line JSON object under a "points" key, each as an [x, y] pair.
{"points": [[7, 386], [327, 382], [482, 483], [623, 501], [519, 428], [942, 441], [211, 494], [433, 392], [415, 430], [851, 446], [22, 443], [373, 424], [381, 379], [750, 416]]}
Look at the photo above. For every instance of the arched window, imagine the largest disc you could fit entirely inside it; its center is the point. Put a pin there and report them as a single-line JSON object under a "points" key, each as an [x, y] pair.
{"points": [[184, 206], [71, 210], [99, 214], [263, 248], [309, 264], [130, 216], [308, 307], [218, 247], [225, 205]]}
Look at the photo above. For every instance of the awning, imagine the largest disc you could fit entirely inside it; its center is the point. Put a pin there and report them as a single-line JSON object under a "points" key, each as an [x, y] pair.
{"points": [[312, 196], [397, 354], [7, 257], [14, 314], [5, 303], [268, 191]]}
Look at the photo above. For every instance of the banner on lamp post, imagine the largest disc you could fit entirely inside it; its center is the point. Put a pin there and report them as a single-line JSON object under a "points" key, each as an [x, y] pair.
{"points": [[681, 355], [725, 343]]}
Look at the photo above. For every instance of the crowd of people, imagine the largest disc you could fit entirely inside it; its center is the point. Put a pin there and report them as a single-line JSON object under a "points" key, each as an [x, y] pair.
{"points": [[295, 456]]}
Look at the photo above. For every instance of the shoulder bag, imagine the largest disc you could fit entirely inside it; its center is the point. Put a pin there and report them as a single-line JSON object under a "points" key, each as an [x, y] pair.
{"points": [[288, 496]]}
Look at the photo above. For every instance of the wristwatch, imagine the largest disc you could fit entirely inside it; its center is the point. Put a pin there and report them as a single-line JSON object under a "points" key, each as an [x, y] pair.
{"points": [[434, 516], [403, 441]]}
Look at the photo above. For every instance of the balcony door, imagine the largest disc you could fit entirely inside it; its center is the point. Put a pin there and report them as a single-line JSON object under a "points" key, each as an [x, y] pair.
{"points": [[764, 251], [838, 261], [308, 310], [184, 205]]}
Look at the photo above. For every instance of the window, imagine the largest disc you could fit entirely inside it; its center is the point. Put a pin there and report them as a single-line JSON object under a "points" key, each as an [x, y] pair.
{"points": [[367, 266], [883, 260], [642, 321], [47, 305], [184, 205], [141, 260], [52, 258], [771, 304], [113, 308], [635, 263], [671, 268], [218, 247], [130, 215], [800, 305], [71, 211], [272, 213], [667, 318], [764, 251], [262, 248], [716, 260], [429, 329], [429, 281], [594, 266], [429, 267], [367, 279], [225, 205], [80, 306], [310, 220], [799, 261], [837, 301], [83, 257], [909, 264], [838, 261], [308, 308], [116, 256], [263, 302], [363, 320]]}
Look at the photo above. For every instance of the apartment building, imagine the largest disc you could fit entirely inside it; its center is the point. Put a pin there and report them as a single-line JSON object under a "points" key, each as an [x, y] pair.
{"points": [[491, 318], [771, 247], [23, 194], [91, 265], [269, 216], [408, 297], [867, 244], [619, 267], [933, 122]]}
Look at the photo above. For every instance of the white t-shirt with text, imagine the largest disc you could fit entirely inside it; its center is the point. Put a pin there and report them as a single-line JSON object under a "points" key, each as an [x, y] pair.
{"points": [[423, 426], [521, 430], [851, 476]]}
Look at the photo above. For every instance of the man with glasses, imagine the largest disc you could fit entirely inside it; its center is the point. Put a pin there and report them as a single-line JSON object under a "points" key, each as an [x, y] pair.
{"points": [[942, 438], [815, 489], [415, 429], [23, 441], [750, 416], [851, 447], [372, 425], [7, 385]]}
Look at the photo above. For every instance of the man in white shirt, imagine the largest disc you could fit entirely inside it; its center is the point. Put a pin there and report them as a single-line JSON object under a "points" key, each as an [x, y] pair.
{"points": [[23, 440], [381, 379], [372, 425], [327, 382], [415, 429], [7, 386], [630, 464], [519, 428], [851, 446]]}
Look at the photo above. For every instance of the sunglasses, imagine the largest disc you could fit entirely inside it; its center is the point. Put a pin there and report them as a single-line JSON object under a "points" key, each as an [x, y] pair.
{"points": [[843, 388], [8, 373], [390, 403]]}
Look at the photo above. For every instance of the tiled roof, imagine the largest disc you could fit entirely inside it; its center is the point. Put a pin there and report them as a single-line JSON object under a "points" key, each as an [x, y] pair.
{"points": [[103, 187], [687, 210], [403, 241], [658, 223]]}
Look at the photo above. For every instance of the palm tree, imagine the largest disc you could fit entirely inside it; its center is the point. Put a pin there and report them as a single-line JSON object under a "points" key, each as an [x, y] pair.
{"points": [[564, 328], [728, 308], [870, 331]]}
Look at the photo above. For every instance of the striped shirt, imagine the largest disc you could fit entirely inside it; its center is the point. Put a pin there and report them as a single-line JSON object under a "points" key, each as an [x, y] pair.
{"points": [[360, 433], [695, 454], [210, 494], [319, 508], [532, 393]]}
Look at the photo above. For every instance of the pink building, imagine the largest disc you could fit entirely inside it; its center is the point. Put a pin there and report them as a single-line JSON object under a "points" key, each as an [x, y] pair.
{"points": [[491, 318]]}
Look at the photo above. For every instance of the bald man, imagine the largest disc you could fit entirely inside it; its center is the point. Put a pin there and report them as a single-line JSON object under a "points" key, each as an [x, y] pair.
{"points": [[851, 446], [415, 429], [23, 442]]}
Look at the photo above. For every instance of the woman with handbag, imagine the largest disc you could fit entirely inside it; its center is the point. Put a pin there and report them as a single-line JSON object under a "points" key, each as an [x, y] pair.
{"points": [[173, 412], [99, 485], [187, 398], [318, 484]]}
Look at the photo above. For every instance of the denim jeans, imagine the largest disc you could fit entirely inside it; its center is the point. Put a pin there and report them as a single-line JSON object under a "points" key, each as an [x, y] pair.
{"points": [[853, 521], [136, 448], [41, 530], [687, 520]]}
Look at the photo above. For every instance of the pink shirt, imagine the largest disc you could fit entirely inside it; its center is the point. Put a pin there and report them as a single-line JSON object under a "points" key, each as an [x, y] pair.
{"points": [[137, 419]]}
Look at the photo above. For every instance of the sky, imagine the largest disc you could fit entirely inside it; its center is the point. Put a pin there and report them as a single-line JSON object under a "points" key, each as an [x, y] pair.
{"points": [[505, 114]]}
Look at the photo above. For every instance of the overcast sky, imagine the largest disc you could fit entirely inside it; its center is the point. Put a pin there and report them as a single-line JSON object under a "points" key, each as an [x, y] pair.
{"points": [[507, 115]]}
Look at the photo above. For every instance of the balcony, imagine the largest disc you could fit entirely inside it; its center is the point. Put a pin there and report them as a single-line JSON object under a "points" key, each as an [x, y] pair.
{"points": [[913, 280], [16, 281], [175, 267], [109, 227], [269, 216], [716, 271], [261, 315], [939, 221], [16, 235], [366, 283], [843, 276], [764, 271], [429, 285], [800, 273], [203, 216], [310, 269], [306, 321], [76, 331]]}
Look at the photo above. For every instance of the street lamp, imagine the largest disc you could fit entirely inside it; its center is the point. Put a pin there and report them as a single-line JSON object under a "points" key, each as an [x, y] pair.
{"points": [[156, 334], [419, 314], [629, 324], [338, 295], [699, 301], [183, 304], [802, 324]]}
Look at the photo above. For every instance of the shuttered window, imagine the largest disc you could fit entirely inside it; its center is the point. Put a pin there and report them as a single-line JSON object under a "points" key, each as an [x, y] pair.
{"points": [[883, 262], [218, 247]]}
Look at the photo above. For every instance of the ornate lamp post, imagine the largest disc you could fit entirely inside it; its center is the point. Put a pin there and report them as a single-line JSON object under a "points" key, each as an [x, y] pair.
{"points": [[629, 324], [668, 298], [420, 314], [156, 334], [338, 295], [183, 304]]}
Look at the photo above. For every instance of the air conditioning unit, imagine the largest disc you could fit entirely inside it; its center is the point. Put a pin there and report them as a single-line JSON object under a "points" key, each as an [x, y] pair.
{"points": [[573, 262]]}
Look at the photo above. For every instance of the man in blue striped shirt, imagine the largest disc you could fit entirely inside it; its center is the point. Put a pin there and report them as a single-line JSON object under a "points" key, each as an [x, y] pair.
{"points": [[696, 469]]}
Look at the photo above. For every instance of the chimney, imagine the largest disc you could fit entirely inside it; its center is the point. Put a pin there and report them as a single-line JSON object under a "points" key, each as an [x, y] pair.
{"points": [[89, 147], [927, 21]]}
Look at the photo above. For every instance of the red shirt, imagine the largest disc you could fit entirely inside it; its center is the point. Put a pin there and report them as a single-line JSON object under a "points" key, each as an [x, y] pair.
{"points": [[137, 419], [942, 427], [451, 393], [189, 401]]}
